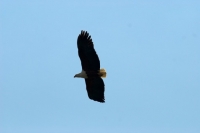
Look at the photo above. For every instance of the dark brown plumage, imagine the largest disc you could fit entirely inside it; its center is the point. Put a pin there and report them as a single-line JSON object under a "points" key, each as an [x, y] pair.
{"points": [[91, 66]]}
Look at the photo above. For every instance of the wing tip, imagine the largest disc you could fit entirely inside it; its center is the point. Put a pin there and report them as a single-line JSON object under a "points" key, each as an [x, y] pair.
{"points": [[84, 33], [98, 100], [85, 37]]}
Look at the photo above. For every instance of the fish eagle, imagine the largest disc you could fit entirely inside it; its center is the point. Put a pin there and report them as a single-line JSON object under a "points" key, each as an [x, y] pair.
{"points": [[91, 71]]}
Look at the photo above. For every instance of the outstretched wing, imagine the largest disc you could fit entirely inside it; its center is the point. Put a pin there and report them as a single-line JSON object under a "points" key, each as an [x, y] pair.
{"points": [[89, 58], [95, 89]]}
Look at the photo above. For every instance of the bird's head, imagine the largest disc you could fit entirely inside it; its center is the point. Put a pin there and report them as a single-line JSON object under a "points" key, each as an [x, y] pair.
{"points": [[77, 75]]}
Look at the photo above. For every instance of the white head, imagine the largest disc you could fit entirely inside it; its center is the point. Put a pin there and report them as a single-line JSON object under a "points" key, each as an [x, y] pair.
{"points": [[82, 74], [76, 76]]}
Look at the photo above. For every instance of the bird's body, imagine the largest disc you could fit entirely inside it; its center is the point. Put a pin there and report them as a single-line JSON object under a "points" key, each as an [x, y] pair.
{"points": [[83, 74], [91, 71]]}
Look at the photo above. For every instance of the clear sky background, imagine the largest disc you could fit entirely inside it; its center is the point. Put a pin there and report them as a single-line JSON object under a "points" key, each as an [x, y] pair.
{"points": [[150, 50]]}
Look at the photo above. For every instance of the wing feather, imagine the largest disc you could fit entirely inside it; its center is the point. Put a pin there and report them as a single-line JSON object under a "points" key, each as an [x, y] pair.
{"points": [[95, 89], [89, 58]]}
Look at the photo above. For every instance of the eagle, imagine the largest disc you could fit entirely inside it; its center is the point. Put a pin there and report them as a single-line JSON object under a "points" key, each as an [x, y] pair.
{"points": [[91, 71]]}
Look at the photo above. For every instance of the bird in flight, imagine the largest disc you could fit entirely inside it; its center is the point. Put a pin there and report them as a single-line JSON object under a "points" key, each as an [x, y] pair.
{"points": [[91, 71]]}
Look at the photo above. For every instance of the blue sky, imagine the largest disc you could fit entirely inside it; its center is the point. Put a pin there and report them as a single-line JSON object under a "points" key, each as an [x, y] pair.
{"points": [[150, 50]]}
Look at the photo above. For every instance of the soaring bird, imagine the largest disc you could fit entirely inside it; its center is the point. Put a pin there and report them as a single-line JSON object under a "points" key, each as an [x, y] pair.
{"points": [[91, 71]]}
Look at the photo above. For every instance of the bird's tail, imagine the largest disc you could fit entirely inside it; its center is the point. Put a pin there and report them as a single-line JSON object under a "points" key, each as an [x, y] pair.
{"points": [[102, 73]]}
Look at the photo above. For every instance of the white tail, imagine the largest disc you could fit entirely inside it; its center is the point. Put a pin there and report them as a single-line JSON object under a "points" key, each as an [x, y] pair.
{"points": [[102, 73]]}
